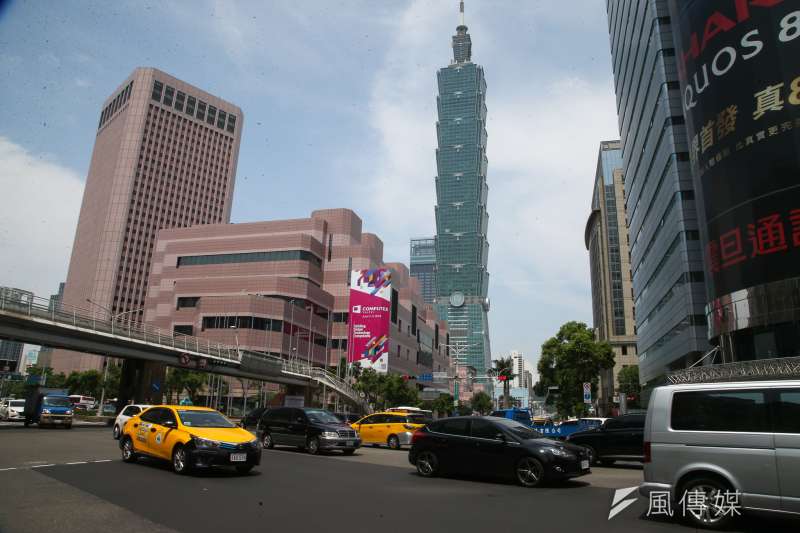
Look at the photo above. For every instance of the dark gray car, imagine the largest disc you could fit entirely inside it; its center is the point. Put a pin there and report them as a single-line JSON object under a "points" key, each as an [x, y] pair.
{"points": [[313, 429]]}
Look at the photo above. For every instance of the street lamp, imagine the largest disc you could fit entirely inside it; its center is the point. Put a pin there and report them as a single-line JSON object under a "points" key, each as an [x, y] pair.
{"points": [[114, 318]]}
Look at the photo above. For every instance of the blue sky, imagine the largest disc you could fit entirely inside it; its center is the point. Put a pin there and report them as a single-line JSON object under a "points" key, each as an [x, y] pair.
{"points": [[339, 102]]}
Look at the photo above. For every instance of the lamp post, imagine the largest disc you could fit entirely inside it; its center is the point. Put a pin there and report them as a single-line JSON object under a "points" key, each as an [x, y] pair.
{"points": [[114, 317], [458, 349]]}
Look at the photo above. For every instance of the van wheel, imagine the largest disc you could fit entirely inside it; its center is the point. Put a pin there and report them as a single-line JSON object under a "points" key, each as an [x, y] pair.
{"points": [[710, 515], [393, 442], [128, 451], [266, 441], [313, 446]]}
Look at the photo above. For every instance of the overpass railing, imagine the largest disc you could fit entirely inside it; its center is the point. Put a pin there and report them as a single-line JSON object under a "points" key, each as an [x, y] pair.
{"points": [[77, 317]]}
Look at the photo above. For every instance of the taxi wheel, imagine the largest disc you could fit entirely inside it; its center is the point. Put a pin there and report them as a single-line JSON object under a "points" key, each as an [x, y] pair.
{"points": [[128, 451], [180, 460], [116, 432], [313, 446], [393, 442]]}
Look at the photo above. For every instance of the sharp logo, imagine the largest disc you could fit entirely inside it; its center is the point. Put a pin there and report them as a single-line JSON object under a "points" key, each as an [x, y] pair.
{"points": [[619, 503], [356, 308]]}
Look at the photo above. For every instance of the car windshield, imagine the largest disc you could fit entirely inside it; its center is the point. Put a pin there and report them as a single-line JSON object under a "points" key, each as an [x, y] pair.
{"points": [[57, 401], [17, 403], [518, 430], [204, 419], [321, 416]]}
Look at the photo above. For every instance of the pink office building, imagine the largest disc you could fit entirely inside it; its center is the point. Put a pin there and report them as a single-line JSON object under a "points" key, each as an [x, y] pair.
{"points": [[281, 287], [165, 156]]}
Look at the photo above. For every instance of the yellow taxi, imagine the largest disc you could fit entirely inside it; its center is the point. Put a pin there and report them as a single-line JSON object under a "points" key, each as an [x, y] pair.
{"points": [[392, 427], [189, 437]]}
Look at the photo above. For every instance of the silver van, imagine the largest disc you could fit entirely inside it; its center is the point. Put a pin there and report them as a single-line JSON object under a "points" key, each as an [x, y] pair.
{"points": [[739, 438]]}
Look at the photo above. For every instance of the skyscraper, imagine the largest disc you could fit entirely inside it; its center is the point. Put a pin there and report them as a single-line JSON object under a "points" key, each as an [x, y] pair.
{"points": [[462, 249], [606, 239], [165, 156], [423, 267], [666, 254]]}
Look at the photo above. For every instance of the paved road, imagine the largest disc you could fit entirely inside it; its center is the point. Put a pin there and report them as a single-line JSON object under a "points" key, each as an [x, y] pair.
{"points": [[58, 480]]}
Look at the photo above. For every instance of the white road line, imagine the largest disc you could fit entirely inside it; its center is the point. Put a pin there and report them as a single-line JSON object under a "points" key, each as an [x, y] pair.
{"points": [[103, 461], [42, 466], [78, 463], [4, 469], [55, 464]]}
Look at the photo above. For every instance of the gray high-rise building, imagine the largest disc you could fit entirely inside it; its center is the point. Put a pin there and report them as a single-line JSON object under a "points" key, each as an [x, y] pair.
{"points": [[462, 249], [423, 267], [666, 253]]}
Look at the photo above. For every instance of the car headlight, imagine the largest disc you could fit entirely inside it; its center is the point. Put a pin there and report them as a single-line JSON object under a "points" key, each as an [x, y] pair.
{"points": [[68, 412], [255, 443], [558, 452], [330, 435], [204, 443], [45, 411]]}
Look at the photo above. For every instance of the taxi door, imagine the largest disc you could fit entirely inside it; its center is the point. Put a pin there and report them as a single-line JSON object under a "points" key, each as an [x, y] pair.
{"points": [[142, 429], [366, 427], [163, 434]]}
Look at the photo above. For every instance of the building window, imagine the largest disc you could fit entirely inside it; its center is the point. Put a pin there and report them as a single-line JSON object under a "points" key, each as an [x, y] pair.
{"points": [[188, 301], [249, 257], [221, 117], [183, 329], [169, 92], [212, 115], [190, 104], [158, 87], [180, 99], [231, 123], [624, 350], [201, 110]]}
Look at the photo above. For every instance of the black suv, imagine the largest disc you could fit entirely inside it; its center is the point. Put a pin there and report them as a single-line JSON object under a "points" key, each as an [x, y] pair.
{"points": [[618, 439], [310, 428]]}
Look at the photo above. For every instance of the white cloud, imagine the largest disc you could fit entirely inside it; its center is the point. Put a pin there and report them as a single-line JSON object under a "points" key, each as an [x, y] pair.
{"points": [[80, 82], [40, 205]]}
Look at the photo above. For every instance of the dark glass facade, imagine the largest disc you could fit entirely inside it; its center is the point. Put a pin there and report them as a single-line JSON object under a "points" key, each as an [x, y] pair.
{"points": [[423, 267], [462, 249], [666, 255]]}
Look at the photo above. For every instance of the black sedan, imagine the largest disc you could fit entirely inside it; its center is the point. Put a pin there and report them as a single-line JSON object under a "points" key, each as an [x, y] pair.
{"points": [[620, 438], [492, 446]]}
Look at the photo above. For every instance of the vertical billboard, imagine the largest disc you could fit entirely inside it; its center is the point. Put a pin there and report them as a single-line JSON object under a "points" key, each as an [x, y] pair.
{"points": [[739, 67], [368, 324]]}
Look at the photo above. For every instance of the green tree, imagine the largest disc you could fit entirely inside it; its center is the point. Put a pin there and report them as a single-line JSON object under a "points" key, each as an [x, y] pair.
{"points": [[482, 403], [504, 369], [370, 383], [396, 391], [180, 380], [443, 404], [570, 359], [464, 409], [86, 383], [629, 383]]}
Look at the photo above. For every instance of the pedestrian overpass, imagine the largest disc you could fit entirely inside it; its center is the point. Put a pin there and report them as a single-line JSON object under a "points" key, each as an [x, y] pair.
{"points": [[34, 320]]}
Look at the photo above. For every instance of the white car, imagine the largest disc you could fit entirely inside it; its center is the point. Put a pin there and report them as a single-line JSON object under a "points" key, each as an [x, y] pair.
{"points": [[129, 411], [12, 409]]}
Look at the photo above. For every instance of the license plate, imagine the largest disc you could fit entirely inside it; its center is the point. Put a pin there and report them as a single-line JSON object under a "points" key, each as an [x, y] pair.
{"points": [[238, 457], [584, 465], [349, 443]]}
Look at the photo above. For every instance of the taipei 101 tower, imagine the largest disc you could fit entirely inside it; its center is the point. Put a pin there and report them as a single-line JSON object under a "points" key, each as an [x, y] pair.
{"points": [[462, 250]]}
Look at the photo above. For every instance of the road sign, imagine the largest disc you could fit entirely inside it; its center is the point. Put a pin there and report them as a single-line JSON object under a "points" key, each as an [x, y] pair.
{"points": [[425, 377], [587, 393]]}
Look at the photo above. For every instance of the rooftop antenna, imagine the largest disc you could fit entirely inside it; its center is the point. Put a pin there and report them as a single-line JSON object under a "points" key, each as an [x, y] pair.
{"points": [[461, 11]]}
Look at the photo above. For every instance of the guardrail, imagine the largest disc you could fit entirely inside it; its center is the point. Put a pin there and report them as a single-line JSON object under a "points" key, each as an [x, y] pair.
{"points": [[77, 317]]}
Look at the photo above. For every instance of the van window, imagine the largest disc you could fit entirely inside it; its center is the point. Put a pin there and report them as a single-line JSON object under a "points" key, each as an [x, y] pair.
{"points": [[131, 410], [724, 410], [787, 411]]}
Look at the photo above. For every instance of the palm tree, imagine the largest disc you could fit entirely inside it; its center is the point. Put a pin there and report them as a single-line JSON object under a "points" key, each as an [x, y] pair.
{"points": [[504, 369]]}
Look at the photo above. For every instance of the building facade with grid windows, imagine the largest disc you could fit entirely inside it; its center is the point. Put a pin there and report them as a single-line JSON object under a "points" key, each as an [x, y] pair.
{"points": [[462, 248], [423, 267], [606, 239], [666, 254], [165, 156]]}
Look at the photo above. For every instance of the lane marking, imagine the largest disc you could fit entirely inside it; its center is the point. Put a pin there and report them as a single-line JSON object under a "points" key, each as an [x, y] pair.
{"points": [[103, 461], [78, 463], [28, 467], [4, 469], [42, 466]]}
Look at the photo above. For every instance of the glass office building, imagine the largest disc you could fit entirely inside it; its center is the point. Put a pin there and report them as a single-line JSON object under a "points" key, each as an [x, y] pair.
{"points": [[423, 267], [666, 254], [461, 219]]}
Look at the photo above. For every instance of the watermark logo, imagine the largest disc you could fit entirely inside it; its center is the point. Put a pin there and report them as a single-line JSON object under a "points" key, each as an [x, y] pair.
{"points": [[619, 503]]}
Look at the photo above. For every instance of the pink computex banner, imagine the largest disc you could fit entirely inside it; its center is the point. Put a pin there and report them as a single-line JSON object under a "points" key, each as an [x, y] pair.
{"points": [[368, 330]]}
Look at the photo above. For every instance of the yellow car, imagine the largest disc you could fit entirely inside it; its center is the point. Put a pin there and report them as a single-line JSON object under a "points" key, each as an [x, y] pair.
{"points": [[393, 428], [189, 437]]}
